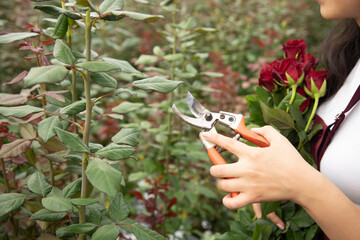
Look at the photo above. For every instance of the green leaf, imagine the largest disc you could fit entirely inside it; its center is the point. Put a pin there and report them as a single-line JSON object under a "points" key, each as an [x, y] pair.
{"points": [[206, 192], [158, 51], [264, 96], [104, 177], [108, 232], [71, 140], [55, 201], [10, 202], [302, 219], [116, 15], [61, 27], [314, 130], [95, 213], [46, 127], [63, 53], [158, 84], [83, 201], [72, 189], [298, 117], [12, 37], [116, 152], [139, 230], [47, 74], [27, 131], [146, 59], [74, 107], [312, 232], [48, 216], [118, 209], [20, 111], [173, 57], [296, 103], [268, 207], [292, 235], [255, 110], [56, 11], [126, 107], [124, 66], [97, 66], [129, 136], [37, 184], [80, 228], [14, 148], [212, 74], [111, 5], [277, 117], [135, 177], [103, 79]]}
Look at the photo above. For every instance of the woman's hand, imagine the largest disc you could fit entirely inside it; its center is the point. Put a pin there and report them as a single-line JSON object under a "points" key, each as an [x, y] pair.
{"points": [[261, 174], [271, 216]]}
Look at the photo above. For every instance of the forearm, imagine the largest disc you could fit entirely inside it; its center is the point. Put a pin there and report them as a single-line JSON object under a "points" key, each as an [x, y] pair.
{"points": [[336, 214]]}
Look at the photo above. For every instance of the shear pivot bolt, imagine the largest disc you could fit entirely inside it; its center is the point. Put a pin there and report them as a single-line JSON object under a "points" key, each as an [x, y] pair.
{"points": [[231, 119], [208, 117], [222, 116]]}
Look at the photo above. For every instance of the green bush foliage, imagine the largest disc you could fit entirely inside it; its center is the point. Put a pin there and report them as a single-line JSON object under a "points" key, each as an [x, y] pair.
{"points": [[90, 148]]}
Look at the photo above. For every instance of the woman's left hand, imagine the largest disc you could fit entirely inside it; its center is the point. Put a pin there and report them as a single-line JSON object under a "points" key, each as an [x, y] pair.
{"points": [[261, 174]]}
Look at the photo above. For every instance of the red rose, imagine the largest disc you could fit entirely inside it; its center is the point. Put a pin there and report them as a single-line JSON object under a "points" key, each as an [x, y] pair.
{"points": [[266, 79], [310, 62], [289, 71], [315, 83], [295, 49], [306, 103]]}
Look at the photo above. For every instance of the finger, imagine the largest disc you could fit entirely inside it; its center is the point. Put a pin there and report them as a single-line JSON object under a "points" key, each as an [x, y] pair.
{"points": [[276, 220], [230, 185], [268, 132], [229, 144], [231, 170], [237, 202], [257, 210]]}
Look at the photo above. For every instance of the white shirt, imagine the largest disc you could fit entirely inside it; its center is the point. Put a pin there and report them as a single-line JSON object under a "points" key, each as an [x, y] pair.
{"points": [[341, 160]]}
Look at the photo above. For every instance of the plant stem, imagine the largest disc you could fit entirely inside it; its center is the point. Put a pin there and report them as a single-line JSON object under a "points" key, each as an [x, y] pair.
{"points": [[171, 96], [87, 85], [317, 97], [52, 175], [7, 186], [293, 94]]}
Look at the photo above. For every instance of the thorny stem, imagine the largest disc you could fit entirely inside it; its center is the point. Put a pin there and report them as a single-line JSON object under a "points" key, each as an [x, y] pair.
{"points": [[7, 189], [73, 73], [7, 186], [108, 95], [171, 96], [72, 122], [86, 133], [52, 175]]}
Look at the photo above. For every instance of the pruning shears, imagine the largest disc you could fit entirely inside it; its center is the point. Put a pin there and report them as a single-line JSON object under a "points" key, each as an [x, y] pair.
{"points": [[206, 120]]}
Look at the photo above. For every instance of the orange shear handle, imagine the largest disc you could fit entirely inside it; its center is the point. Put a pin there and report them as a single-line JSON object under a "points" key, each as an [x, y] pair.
{"points": [[217, 159], [250, 135]]}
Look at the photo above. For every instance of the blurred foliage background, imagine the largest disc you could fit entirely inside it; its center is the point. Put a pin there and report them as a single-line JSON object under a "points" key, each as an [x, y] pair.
{"points": [[237, 37]]}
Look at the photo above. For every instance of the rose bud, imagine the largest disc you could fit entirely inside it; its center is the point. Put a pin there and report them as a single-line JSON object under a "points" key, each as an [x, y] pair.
{"points": [[295, 49], [304, 105], [315, 83], [310, 62], [267, 80], [294, 72]]}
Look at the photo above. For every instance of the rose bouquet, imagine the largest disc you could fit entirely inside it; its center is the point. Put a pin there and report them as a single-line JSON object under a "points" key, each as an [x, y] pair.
{"points": [[287, 98]]}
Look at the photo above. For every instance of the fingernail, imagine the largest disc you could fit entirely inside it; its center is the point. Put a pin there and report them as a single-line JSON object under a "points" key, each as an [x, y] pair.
{"points": [[281, 226]]}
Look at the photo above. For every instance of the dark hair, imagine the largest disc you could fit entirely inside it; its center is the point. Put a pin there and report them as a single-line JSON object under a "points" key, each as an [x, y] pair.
{"points": [[339, 53]]}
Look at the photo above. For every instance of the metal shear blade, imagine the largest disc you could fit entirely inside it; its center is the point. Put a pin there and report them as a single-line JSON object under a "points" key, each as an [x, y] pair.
{"points": [[199, 122]]}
